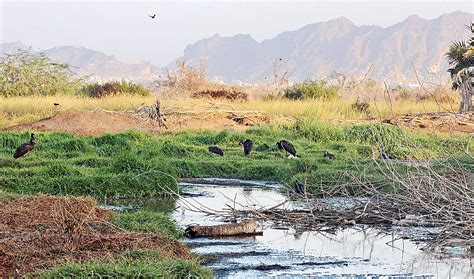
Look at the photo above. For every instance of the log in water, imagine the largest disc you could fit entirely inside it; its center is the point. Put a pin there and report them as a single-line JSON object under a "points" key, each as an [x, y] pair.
{"points": [[247, 227]]}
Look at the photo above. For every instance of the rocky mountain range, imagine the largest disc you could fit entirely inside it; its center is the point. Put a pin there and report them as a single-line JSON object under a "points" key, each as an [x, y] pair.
{"points": [[316, 50]]}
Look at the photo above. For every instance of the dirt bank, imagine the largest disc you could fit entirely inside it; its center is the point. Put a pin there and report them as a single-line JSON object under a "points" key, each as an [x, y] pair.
{"points": [[101, 122], [431, 122], [41, 231]]}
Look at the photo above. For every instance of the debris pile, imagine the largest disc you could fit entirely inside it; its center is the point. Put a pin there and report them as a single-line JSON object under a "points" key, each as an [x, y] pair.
{"points": [[41, 231]]}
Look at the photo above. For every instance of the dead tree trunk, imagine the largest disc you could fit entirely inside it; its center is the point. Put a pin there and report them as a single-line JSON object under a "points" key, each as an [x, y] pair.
{"points": [[157, 115]]}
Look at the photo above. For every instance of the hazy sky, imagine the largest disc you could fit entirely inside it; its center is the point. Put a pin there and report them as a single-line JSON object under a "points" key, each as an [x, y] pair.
{"points": [[123, 28]]}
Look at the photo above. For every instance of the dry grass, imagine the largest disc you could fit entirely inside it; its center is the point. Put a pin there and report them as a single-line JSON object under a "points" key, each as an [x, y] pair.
{"points": [[21, 110]]}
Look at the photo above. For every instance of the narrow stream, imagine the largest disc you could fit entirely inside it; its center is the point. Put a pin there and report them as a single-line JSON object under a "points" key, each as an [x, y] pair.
{"points": [[357, 252]]}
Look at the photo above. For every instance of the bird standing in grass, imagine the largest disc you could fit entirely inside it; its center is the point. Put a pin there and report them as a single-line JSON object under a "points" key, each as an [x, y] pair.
{"points": [[299, 187], [216, 150], [288, 147], [247, 144], [25, 148], [329, 155]]}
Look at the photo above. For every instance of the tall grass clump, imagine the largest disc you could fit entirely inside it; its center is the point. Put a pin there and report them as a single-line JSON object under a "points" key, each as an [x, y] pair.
{"points": [[34, 74], [96, 90], [317, 131], [311, 90]]}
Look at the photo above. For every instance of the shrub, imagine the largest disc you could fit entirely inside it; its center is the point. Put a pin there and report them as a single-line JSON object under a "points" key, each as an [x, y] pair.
{"points": [[230, 94], [30, 74], [361, 106], [97, 90], [311, 90]]}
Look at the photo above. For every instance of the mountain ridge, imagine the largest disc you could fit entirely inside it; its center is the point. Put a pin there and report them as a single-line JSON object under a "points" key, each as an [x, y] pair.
{"points": [[96, 65], [312, 51], [317, 49]]}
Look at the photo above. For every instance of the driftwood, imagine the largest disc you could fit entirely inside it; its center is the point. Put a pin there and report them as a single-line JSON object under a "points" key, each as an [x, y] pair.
{"points": [[248, 227]]}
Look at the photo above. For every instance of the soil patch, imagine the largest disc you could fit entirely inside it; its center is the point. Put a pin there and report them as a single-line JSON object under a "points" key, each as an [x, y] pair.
{"points": [[41, 231], [101, 122], [89, 123]]}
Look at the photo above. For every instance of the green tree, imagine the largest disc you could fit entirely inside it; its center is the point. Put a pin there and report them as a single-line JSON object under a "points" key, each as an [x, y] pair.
{"points": [[34, 74], [461, 57]]}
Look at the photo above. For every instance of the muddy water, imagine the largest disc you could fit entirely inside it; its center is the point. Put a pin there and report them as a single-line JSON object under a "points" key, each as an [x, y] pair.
{"points": [[358, 252]]}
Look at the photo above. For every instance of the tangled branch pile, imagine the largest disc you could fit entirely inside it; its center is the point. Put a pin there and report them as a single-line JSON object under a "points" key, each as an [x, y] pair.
{"points": [[41, 231], [424, 198], [152, 112]]}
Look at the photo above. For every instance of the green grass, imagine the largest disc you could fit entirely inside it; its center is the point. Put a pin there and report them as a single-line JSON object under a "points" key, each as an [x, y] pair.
{"points": [[7, 196], [134, 264], [136, 164], [148, 221]]}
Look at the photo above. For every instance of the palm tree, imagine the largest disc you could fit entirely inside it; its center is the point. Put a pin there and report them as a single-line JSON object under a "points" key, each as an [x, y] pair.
{"points": [[461, 57]]}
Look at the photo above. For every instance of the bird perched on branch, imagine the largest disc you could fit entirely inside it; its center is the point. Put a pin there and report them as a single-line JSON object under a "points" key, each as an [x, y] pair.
{"points": [[329, 155], [288, 147], [152, 16], [25, 148], [247, 144], [216, 150]]}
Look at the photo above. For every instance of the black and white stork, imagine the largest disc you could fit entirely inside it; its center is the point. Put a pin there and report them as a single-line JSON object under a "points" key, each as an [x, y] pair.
{"points": [[329, 155], [216, 150], [288, 147], [25, 148], [247, 144]]}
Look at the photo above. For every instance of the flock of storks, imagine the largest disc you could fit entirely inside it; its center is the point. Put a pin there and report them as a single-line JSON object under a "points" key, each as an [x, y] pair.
{"points": [[281, 145], [299, 187], [246, 144]]}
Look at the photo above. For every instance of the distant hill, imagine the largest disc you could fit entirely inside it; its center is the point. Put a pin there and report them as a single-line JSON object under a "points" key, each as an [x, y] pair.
{"points": [[317, 49], [96, 64]]}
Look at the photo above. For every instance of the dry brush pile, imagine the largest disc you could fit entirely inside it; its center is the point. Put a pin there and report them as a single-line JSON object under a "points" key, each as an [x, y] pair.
{"points": [[39, 232]]}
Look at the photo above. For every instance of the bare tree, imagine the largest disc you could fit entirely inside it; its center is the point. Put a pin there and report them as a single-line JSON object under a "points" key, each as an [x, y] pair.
{"points": [[281, 74]]}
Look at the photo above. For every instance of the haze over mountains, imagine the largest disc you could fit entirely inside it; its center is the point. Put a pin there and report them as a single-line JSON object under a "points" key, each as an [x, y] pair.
{"points": [[317, 49], [312, 51], [98, 65]]}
